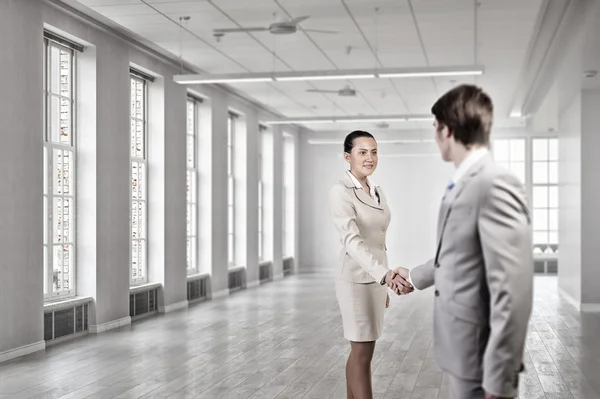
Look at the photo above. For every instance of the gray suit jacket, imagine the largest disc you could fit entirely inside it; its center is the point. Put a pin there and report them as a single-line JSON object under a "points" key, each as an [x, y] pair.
{"points": [[483, 275]]}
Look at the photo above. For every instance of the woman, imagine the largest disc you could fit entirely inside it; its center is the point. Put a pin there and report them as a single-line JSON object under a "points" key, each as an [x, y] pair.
{"points": [[361, 216]]}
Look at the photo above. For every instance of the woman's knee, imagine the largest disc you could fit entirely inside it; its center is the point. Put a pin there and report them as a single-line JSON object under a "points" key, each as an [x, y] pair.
{"points": [[362, 352]]}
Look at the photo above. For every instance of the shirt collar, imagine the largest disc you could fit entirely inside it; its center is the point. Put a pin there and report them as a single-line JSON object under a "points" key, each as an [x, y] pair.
{"points": [[469, 161], [359, 186]]}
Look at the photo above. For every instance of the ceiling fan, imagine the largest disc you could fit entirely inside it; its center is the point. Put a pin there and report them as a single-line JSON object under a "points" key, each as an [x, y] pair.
{"points": [[346, 91], [276, 28]]}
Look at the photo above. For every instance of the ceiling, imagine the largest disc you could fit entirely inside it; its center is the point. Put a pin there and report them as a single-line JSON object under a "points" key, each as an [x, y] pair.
{"points": [[402, 33]]}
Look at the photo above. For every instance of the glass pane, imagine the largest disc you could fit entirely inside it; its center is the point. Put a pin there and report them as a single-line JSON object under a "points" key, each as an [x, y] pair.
{"points": [[540, 149], [518, 168], [188, 220], [190, 152], [517, 150], [230, 220], [501, 150], [55, 69], [139, 139], [553, 173], [57, 261], [540, 237], [188, 254], [65, 73], [140, 100], [553, 219], [65, 121], [504, 165], [553, 237], [57, 235], [230, 249], [66, 223], [67, 163], [553, 197], [45, 171], [58, 175], [46, 265], [135, 259], [45, 220], [193, 188], [133, 138], [193, 220], [132, 97], [540, 219], [540, 197], [540, 173], [141, 213], [54, 119], [188, 191], [230, 191], [135, 221], [553, 149]]}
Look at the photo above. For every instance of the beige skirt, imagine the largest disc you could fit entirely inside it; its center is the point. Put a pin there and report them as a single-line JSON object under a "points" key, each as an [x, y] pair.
{"points": [[362, 307]]}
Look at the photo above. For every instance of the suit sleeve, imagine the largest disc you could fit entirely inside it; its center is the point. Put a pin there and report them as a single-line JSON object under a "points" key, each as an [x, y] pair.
{"points": [[422, 277], [343, 214], [505, 236]]}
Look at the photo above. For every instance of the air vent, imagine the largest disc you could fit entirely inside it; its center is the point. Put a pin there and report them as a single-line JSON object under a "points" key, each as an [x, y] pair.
{"points": [[144, 302], [288, 266], [236, 279], [196, 289], [63, 322], [265, 272]]}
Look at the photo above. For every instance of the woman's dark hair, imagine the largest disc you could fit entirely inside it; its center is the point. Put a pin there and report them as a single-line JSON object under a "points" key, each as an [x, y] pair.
{"points": [[349, 140]]}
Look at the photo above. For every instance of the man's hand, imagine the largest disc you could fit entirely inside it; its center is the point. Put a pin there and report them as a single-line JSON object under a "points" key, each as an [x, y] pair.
{"points": [[397, 280]]}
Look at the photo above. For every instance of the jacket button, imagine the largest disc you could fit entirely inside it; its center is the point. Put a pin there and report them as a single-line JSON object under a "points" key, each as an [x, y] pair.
{"points": [[437, 293], [437, 265]]}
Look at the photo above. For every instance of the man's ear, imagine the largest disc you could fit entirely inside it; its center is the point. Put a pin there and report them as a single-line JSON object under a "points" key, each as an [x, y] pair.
{"points": [[347, 157]]}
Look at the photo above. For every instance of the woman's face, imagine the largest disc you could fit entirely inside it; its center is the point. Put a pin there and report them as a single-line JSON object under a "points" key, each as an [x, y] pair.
{"points": [[363, 157]]}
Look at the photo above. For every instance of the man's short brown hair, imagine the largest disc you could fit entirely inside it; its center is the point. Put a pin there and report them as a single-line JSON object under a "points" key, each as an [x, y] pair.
{"points": [[468, 112]]}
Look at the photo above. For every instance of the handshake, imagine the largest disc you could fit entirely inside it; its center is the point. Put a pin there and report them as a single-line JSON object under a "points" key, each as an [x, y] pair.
{"points": [[398, 281]]}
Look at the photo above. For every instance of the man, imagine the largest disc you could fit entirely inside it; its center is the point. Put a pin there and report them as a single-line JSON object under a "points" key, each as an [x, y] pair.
{"points": [[483, 266]]}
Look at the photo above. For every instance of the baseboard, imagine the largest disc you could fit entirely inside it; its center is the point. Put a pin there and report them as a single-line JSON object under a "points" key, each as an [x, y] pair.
{"points": [[253, 284], [569, 298], [22, 351], [111, 325], [278, 277], [173, 307], [220, 294]]}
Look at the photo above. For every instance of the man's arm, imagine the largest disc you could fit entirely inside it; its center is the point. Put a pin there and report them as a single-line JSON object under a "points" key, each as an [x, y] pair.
{"points": [[505, 235], [344, 219], [422, 277]]}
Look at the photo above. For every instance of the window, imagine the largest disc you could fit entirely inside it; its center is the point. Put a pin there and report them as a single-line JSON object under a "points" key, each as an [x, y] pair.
{"points": [[191, 188], [288, 207], [261, 234], [59, 170], [510, 154], [139, 180], [545, 195], [230, 191]]}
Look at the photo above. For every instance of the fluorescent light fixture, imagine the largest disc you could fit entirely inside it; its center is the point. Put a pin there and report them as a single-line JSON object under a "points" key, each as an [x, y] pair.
{"points": [[323, 77], [290, 76], [429, 74], [350, 119], [516, 114]]}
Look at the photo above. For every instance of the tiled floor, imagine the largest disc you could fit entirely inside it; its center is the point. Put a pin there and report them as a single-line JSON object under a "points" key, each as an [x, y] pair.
{"points": [[284, 340]]}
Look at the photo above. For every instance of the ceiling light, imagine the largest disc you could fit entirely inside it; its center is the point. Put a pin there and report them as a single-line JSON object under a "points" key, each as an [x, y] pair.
{"points": [[324, 77], [288, 76], [351, 119], [429, 74]]}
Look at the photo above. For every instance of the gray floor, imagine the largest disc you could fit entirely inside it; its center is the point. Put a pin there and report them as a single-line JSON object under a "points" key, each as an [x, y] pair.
{"points": [[284, 340]]}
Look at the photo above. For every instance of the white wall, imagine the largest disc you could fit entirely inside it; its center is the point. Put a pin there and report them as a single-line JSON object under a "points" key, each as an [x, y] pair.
{"points": [[104, 271]]}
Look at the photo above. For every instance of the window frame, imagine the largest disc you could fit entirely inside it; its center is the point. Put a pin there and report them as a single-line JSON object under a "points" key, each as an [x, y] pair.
{"points": [[48, 159], [231, 119], [544, 247], [144, 200]]}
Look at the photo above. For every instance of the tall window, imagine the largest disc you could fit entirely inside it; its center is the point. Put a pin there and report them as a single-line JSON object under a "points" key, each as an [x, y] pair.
{"points": [[192, 187], [510, 153], [261, 237], [288, 208], [230, 191], [545, 195], [139, 180], [59, 170]]}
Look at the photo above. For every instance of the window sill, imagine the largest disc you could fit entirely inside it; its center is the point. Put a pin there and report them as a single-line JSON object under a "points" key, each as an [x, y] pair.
{"points": [[545, 256], [61, 304], [144, 287], [233, 269], [198, 276]]}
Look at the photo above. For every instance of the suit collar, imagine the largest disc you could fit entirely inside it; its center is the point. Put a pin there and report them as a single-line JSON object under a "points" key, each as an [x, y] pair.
{"points": [[360, 193]]}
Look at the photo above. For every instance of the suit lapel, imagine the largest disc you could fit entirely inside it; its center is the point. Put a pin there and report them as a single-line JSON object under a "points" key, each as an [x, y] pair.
{"points": [[448, 200], [363, 196]]}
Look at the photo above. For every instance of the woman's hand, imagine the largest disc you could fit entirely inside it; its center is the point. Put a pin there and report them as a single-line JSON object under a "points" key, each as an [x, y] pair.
{"points": [[387, 301]]}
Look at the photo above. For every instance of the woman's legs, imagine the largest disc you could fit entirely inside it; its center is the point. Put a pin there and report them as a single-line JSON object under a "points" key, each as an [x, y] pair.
{"points": [[358, 370]]}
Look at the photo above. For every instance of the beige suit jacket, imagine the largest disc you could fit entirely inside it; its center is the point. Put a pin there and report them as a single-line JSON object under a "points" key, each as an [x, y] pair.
{"points": [[362, 223], [483, 275]]}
